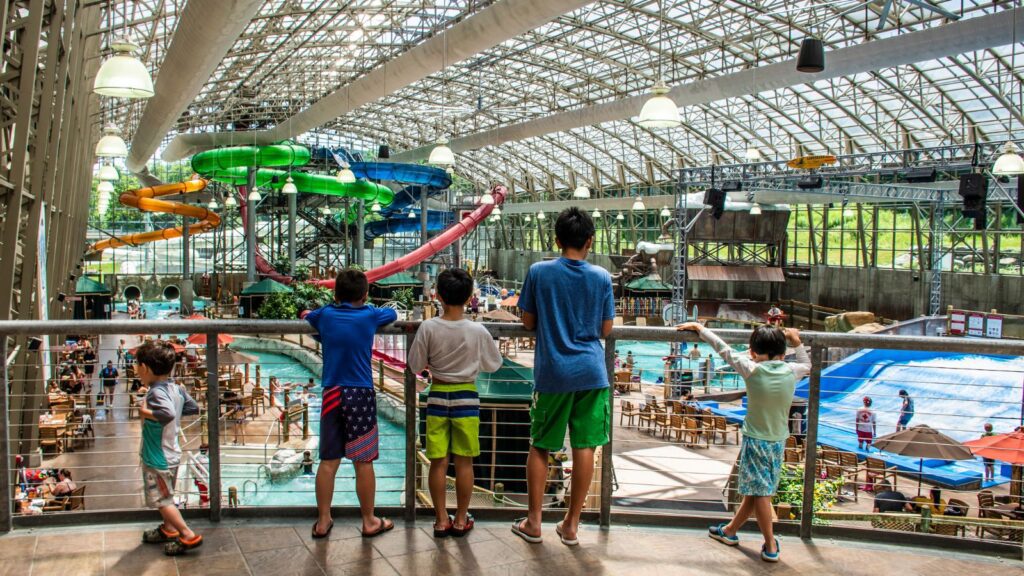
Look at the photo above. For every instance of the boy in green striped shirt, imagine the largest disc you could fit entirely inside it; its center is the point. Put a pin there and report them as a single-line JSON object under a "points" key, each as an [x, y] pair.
{"points": [[456, 350]]}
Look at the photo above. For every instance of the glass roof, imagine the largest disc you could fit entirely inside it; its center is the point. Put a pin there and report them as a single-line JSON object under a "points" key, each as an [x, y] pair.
{"points": [[296, 51]]}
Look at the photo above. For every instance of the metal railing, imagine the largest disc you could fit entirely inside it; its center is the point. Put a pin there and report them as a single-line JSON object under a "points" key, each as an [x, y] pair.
{"points": [[607, 512]]}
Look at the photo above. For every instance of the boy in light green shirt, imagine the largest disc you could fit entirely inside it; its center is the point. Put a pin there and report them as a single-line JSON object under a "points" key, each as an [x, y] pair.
{"points": [[770, 382]]}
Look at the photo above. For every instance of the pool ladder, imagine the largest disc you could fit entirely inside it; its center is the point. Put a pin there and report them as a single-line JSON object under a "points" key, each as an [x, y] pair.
{"points": [[255, 487], [266, 472]]}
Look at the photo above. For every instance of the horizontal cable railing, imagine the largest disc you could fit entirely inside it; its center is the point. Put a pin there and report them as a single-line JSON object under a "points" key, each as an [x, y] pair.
{"points": [[675, 421]]}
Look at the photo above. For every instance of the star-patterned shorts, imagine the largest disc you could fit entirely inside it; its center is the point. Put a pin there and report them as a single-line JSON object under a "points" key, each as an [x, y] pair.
{"points": [[348, 424]]}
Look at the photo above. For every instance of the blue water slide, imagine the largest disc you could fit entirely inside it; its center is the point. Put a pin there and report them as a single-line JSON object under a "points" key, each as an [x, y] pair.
{"points": [[436, 221]]}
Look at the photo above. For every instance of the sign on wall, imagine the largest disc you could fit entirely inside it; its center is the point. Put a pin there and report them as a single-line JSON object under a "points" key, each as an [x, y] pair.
{"points": [[994, 326], [957, 322], [976, 324]]}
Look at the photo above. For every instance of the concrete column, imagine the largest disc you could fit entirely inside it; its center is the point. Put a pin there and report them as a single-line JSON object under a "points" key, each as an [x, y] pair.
{"points": [[250, 229], [292, 201]]}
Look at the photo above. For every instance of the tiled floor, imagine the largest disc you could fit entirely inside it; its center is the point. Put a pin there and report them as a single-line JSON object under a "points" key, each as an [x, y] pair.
{"points": [[285, 548]]}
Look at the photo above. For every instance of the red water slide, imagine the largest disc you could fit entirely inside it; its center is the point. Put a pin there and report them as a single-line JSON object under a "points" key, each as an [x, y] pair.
{"points": [[435, 244]]}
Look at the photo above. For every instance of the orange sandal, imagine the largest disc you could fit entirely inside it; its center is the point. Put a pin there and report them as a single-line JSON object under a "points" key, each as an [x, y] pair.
{"points": [[180, 546], [158, 535]]}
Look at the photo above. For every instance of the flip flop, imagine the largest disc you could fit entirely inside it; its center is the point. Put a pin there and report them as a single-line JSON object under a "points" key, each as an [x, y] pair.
{"points": [[517, 529], [325, 534], [445, 532], [466, 528], [180, 546], [385, 526], [566, 541]]}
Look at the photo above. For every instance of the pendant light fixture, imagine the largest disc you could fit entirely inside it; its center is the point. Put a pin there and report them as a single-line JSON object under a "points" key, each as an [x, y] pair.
{"points": [[254, 196], [596, 214], [496, 211], [412, 214], [811, 58], [619, 217], [289, 186], [345, 175], [755, 209], [111, 145], [213, 204], [123, 75], [660, 111], [105, 187], [108, 172], [487, 198], [375, 208], [229, 200], [442, 155], [638, 204], [541, 215], [326, 210], [665, 213], [752, 154], [528, 219]]}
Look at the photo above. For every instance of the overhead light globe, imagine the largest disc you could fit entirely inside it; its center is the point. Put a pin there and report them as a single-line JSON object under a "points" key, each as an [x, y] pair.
{"points": [[105, 187], [665, 213], [596, 214], [487, 198], [111, 145], [229, 201], [442, 155], [108, 172], [496, 211], [638, 204], [528, 219], [495, 217], [412, 214], [213, 204], [254, 196], [755, 209], [289, 186], [659, 111], [346, 175], [619, 217], [1009, 162], [326, 210], [123, 75], [541, 215], [375, 208], [581, 192], [753, 154]]}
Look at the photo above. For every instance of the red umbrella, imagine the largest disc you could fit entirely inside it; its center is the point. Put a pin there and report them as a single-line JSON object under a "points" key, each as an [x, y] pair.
{"points": [[200, 339], [1007, 448]]}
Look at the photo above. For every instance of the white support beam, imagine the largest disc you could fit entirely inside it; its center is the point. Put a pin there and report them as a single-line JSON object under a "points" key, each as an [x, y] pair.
{"points": [[966, 35], [491, 26], [204, 34]]}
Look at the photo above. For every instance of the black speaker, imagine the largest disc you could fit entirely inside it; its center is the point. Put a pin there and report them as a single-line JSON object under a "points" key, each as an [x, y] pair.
{"points": [[1020, 198], [732, 186], [973, 190], [715, 198], [812, 182], [383, 151], [920, 174]]}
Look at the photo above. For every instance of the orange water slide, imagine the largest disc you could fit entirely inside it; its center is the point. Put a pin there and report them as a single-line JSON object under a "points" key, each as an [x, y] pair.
{"points": [[145, 199]]}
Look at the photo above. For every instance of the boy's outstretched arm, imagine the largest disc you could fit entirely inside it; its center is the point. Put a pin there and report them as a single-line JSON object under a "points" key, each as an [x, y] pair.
{"points": [[529, 320], [802, 366], [740, 362]]}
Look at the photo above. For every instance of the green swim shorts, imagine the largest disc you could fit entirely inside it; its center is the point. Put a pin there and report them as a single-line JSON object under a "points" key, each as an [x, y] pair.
{"points": [[453, 420], [586, 413]]}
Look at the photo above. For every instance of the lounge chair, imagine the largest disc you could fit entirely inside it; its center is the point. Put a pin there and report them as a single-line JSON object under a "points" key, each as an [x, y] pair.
{"points": [[875, 469], [627, 410]]}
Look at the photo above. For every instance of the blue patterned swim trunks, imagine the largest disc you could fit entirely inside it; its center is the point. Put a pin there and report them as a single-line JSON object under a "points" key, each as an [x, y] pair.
{"points": [[760, 466]]}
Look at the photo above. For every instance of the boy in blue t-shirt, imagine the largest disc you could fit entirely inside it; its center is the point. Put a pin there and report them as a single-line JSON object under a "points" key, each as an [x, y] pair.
{"points": [[571, 306], [348, 413]]}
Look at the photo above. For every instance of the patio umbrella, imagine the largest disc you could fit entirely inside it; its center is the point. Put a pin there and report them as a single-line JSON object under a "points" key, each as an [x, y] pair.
{"points": [[923, 441], [1007, 448], [232, 356], [500, 315], [200, 339], [511, 301]]}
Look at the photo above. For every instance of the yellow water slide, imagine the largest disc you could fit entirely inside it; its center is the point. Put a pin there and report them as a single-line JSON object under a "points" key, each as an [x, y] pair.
{"points": [[145, 199]]}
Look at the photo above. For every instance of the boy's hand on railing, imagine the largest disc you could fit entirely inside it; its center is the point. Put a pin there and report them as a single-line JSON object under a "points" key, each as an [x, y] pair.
{"points": [[691, 326], [792, 337]]}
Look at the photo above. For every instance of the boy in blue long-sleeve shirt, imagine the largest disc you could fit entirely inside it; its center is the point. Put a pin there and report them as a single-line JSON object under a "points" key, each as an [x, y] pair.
{"points": [[348, 413]]}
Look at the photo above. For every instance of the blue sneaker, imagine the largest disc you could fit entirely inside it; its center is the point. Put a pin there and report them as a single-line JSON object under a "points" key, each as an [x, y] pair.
{"points": [[770, 556], [718, 533]]}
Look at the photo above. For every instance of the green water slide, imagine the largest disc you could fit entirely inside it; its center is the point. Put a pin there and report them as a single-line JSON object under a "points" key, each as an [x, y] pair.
{"points": [[231, 166]]}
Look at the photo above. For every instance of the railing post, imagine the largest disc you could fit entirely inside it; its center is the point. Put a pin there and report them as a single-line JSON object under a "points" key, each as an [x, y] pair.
{"points": [[606, 452], [410, 438], [811, 443], [213, 424], [6, 515]]}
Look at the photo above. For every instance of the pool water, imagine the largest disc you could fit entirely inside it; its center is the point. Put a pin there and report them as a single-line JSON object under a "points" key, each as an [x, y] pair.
{"points": [[300, 490], [156, 310], [648, 356]]}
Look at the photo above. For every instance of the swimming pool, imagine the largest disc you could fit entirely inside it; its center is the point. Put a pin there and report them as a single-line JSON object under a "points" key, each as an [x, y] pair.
{"points": [[160, 309], [648, 356], [300, 490]]}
